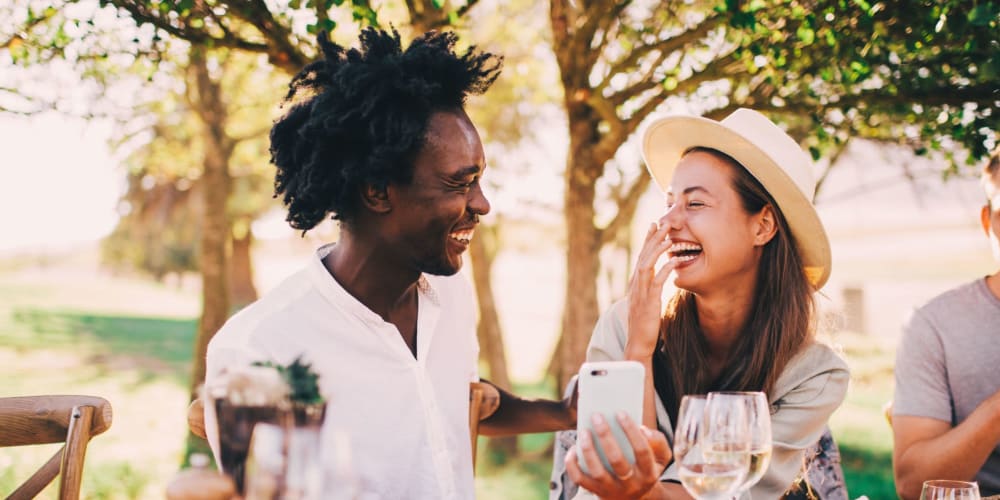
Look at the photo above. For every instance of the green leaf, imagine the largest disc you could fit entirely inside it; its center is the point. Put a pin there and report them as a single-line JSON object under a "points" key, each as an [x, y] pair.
{"points": [[670, 83], [983, 14], [806, 34], [438, 3]]}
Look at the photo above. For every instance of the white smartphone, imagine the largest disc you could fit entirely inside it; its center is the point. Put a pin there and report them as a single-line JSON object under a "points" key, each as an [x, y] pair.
{"points": [[608, 387]]}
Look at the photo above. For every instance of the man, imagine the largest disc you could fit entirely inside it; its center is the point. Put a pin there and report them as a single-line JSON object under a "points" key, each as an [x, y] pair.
{"points": [[946, 409], [378, 138]]}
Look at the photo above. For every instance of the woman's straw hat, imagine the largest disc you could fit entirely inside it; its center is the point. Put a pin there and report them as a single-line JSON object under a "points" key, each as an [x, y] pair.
{"points": [[767, 152]]}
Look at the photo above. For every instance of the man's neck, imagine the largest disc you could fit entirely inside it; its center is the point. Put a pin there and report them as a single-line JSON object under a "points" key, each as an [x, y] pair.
{"points": [[371, 276], [993, 283]]}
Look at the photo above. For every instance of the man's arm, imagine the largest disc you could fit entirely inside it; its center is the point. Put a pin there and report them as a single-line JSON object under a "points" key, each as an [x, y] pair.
{"points": [[927, 448], [517, 415]]}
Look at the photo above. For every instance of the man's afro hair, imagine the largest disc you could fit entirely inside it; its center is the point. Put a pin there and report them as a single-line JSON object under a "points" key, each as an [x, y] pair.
{"points": [[358, 117]]}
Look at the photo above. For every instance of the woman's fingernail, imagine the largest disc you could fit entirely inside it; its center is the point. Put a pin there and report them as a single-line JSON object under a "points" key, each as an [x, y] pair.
{"points": [[598, 419]]}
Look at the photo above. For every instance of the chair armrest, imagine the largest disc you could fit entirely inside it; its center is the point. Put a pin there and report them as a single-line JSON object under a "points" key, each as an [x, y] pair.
{"points": [[196, 418]]}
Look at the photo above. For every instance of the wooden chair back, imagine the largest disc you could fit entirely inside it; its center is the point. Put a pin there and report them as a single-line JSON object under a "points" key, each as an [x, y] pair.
{"points": [[484, 399], [71, 420]]}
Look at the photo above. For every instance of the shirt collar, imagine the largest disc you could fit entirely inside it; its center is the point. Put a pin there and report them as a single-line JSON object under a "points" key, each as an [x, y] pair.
{"points": [[335, 292]]}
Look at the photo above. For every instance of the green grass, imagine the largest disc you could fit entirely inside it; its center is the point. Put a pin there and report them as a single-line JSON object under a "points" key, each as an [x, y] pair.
{"points": [[140, 364], [157, 345]]}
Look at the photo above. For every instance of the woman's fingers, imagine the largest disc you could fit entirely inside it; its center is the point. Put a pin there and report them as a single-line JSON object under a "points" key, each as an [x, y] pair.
{"points": [[656, 243], [590, 457], [652, 452], [620, 465], [625, 480], [660, 447], [663, 274]]}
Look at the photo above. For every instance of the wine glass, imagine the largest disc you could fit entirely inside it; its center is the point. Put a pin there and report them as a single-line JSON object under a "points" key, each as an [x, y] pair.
{"points": [[284, 463], [711, 447], [759, 420], [265, 462], [941, 489], [235, 426]]}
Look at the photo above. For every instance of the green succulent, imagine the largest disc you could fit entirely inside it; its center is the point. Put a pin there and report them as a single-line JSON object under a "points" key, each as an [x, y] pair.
{"points": [[302, 381]]}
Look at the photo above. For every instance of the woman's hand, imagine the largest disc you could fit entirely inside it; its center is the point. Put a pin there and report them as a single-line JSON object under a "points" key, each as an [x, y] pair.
{"points": [[625, 480], [645, 304]]}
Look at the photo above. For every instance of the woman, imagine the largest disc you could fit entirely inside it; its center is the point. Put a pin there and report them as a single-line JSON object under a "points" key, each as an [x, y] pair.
{"points": [[747, 252]]}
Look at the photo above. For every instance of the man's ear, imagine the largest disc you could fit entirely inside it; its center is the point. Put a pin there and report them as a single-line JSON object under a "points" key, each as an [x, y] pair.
{"points": [[376, 198], [984, 219], [767, 226]]}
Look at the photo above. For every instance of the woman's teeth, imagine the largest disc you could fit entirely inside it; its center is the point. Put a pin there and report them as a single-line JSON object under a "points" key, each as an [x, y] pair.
{"points": [[684, 252]]}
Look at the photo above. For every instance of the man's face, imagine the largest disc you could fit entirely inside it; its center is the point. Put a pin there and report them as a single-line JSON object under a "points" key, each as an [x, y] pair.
{"points": [[990, 215], [432, 218]]}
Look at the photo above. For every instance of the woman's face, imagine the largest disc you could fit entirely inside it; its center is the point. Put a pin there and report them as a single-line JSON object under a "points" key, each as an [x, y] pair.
{"points": [[716, 242]]}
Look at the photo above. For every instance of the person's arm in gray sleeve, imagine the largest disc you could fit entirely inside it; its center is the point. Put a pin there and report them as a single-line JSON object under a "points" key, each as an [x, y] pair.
{"points": [[925, 445]]}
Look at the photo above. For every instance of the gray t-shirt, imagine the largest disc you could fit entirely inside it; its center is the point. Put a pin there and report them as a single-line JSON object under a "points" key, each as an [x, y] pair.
{"points": [[948, 362]]}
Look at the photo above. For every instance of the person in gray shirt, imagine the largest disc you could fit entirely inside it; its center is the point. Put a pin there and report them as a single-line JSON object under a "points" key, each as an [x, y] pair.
{"points": [[946, 407]]}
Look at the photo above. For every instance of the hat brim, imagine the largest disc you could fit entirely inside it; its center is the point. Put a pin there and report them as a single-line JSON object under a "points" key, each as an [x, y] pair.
{"points": [[666, 140]]}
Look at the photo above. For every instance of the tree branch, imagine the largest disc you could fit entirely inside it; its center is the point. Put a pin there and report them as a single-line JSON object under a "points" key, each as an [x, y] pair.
{"points": [[606, 24], [560, 17], [138, 11], [26, 27], [713, 71], [598, 12], [667, 45], [627, 206]]}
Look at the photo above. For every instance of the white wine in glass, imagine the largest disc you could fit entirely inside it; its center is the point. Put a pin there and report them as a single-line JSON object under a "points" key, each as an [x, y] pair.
{"points": [[711, 447], [707, 481], [759, 420], [941, 489], [760, 460]]}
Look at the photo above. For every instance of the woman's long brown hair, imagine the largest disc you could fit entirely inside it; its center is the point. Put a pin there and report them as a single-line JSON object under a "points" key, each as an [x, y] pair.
{"points": [[780, 322]]}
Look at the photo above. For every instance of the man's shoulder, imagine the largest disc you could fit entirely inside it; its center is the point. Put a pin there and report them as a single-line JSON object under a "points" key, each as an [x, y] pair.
{"points": [[268, 317], [953, 300]]}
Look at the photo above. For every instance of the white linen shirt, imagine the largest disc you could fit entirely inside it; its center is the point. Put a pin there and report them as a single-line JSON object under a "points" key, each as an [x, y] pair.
{"points": [[408, 419]]}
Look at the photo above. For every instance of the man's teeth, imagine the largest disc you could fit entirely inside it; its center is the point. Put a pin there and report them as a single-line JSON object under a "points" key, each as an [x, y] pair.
{"points": [[462, 236]]}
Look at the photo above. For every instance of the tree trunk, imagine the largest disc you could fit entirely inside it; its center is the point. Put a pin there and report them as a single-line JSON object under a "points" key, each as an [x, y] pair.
{"points": [[215, 223], [583, 242], [491, 347], [241, 288], [582, 267]]}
